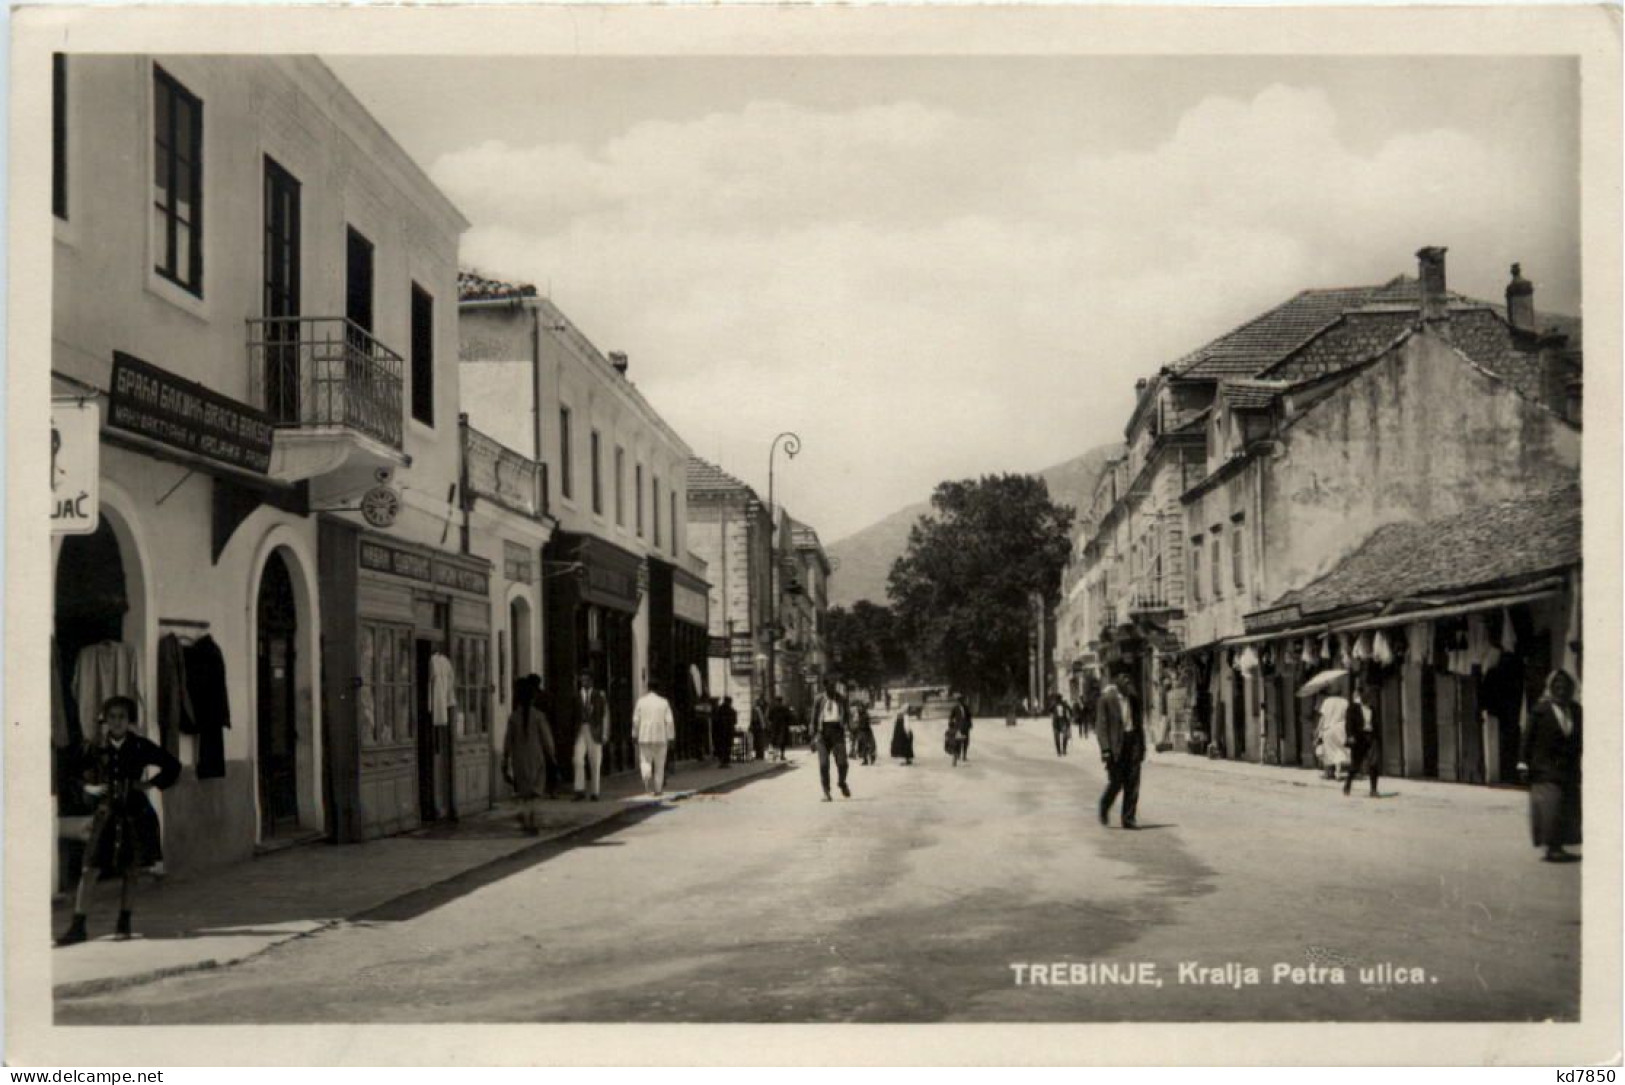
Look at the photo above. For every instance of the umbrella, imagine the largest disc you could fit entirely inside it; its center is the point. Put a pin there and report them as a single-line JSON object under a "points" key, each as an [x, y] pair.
{"points": [[1321, 681]]}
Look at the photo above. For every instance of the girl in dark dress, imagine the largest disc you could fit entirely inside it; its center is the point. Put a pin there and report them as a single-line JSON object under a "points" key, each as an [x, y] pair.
{"points": [[124, 833], [1550, 761], [902, 739], [863, 737]]}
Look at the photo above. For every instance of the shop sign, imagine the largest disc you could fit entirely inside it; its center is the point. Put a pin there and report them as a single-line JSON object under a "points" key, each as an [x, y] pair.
{"points": [[688, 605], [387, 559], [75, 466], [152, 403], [455, 576], [612, 582], [1276, 618], [719, 648], [421, 567], [744, 651], [518, 563]]}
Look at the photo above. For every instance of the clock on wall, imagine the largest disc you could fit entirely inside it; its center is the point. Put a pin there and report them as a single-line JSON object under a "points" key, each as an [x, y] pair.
{"points": [[380, 505]]}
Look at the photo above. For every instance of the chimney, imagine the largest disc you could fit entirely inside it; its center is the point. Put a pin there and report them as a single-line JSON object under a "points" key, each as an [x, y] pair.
{"points": [[618, 360], [1435, 301], [1521, 301]]}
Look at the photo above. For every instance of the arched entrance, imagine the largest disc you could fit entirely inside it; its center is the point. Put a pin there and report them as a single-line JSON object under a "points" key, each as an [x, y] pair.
{"points": [[520, 662], [92, 621], [277, 738]]}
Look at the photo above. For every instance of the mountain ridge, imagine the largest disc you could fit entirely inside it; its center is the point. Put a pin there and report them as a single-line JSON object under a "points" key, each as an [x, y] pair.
{"points": [[865, 557]]}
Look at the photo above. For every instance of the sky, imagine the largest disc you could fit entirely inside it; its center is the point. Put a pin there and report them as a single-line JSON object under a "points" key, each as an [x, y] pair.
{"points": [[945, 267]]}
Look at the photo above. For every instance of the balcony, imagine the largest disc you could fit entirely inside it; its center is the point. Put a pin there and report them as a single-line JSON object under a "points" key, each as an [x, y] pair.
{"points": [[497, 473], [333, 391], [1153, 598]]}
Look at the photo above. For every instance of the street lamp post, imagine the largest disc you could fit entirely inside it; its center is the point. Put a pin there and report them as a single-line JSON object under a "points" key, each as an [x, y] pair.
{"points": [[792, 445]]}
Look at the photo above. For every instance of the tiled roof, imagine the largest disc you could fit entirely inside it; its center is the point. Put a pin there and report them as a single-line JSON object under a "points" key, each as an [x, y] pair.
{"points": [[1486, 545], [1267, 338], [804, 537], [707, 477], [1478, 331], [1245, 394], [472, 286]]}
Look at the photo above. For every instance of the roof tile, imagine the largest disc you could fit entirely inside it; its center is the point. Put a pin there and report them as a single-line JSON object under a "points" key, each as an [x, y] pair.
{"points": [[1482, 546]]}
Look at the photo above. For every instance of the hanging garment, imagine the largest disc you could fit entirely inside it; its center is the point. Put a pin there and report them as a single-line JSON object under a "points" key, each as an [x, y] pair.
{"points": [[103, 670], [1310, 655], [1247, 663], [1509, 636], [442, 689], [211, 707], [174, 702], [1421, 640], [1382, 653], [62, 733], [1362, 648]]}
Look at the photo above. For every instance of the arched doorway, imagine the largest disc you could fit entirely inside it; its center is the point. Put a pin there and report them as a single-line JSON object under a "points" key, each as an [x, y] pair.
{"points": [[520, 662], [91, 615], [277, 625]]}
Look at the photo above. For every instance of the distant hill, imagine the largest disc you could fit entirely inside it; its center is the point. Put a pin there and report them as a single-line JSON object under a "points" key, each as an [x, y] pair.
{"points": [[866, 556]]}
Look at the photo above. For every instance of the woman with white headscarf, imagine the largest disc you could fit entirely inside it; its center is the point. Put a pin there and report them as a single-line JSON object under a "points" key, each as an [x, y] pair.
{"points": [[1550, 761]]}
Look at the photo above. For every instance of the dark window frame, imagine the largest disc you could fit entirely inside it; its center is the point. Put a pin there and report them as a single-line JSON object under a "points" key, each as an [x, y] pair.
{"points": [[638, 498], [169, 159], [596, 458], [566, 481], [59, 135], [422, 355], [654, 502], [620, 486]]}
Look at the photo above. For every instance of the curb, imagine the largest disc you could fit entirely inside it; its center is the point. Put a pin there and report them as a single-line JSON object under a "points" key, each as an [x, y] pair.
{"points": [[611, 814]]}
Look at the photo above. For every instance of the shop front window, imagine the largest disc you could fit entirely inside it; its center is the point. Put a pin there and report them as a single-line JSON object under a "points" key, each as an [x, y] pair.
{"points": [[384, 701], [471, 661]]}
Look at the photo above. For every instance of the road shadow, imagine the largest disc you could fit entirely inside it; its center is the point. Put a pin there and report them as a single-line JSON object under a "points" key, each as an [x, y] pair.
{"points": [[422, 901]]}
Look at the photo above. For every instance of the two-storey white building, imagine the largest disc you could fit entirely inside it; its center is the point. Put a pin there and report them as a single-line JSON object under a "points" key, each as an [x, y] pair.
{"points": [[622, 596], [253, 285]]}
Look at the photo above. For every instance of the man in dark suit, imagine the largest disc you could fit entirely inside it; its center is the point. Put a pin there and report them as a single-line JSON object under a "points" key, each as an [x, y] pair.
{"points": [[829, 725], [1120, 727], [723, 722], [592, 708]]}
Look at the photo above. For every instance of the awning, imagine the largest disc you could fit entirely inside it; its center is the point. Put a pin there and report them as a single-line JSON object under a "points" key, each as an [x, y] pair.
{"points": [[1388, 621], [1429, 614]]}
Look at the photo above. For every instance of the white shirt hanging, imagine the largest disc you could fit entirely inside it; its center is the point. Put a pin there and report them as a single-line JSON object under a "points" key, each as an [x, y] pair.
{"points": [[442, 689]]}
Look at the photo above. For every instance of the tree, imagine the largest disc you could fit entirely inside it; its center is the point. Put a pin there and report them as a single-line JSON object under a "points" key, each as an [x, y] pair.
{"points": [[866, 643], [962, 590]]}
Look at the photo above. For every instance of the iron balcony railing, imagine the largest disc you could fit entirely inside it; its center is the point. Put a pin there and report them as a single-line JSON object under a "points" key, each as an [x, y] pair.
{"points": [[1153, 595], [497, 472], [325, 371]]}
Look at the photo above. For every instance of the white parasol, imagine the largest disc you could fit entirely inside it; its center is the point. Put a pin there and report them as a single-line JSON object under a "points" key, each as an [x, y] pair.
{"points": [[1321, 681]]}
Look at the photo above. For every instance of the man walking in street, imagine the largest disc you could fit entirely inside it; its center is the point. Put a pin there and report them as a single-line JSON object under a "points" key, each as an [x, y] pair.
{"points": [[758, 728], [723, 722], [654, 730], [1061, 722], [829, 735], [1121, 731], [593, 709]]}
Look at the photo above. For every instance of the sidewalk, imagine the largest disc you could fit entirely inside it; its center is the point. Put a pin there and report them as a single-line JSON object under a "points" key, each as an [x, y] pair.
{"points": [[1389, 787], [219, 917]]}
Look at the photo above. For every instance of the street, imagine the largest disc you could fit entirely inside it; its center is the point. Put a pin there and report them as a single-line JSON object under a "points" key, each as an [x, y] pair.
{"points": [[913, 900]]}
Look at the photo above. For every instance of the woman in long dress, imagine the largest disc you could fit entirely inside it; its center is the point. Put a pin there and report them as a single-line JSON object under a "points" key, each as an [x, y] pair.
{"points": [[902, 739], [526, 750], [125, 836], [1550, 760], [1331, 735]]}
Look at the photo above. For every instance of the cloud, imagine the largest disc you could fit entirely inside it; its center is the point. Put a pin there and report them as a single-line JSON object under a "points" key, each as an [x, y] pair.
{"points": [[923, 294]]}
